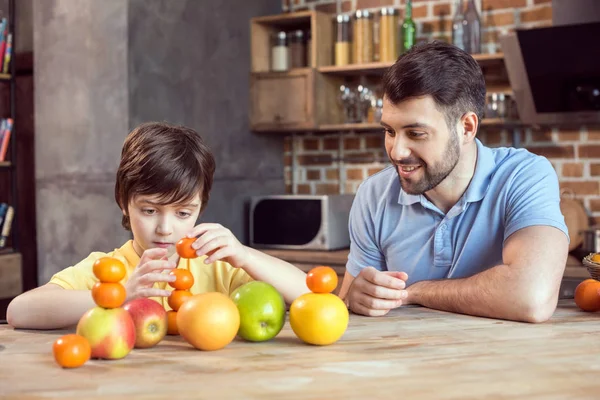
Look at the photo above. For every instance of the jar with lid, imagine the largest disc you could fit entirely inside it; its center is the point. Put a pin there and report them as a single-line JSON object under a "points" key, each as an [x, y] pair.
{"points": [[280, 52], [342, 40], [389, 45], [363, 37], [297, 49]]}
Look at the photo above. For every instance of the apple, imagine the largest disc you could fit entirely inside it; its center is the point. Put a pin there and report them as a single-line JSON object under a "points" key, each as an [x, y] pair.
{"points": [[110, 332], [150, 320], [262, 311]]}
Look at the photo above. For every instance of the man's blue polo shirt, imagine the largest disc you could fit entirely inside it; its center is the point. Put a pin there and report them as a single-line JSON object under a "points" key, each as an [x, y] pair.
{"points": [[392, 230]]}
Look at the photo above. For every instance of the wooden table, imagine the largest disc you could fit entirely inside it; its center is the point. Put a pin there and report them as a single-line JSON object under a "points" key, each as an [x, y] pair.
{"points": [[413, 353]]}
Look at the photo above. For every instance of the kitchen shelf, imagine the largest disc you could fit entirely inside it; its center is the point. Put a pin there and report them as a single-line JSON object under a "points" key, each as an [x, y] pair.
{"points": [[378, 68], [372, 126], [284, 20], [5, 77], [5, 164], [6, 251]]}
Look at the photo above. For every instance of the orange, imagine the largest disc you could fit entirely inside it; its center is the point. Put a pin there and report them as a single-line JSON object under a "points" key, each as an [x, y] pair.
{"points": [[185, 249], [208, 321], [319, 318], [109, 295], [587, 295], [596, 258], [109, 269], [177, 298], [321, 280], [71, 351], [172, 323], [183, 279]]}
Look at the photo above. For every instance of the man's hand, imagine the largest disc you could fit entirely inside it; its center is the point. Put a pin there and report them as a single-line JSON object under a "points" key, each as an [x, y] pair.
{"points": [[149, 271], [374, 293], [219, 243]]}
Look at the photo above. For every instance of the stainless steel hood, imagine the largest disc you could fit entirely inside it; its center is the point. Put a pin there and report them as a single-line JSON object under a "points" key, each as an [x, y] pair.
{"points": [[554, 71]]}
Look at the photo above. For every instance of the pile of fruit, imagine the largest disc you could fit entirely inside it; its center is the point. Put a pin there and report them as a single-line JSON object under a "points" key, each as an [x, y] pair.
{"points": [[255, 312]]}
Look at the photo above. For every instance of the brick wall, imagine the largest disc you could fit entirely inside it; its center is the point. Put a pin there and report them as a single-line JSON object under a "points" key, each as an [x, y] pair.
{"points": [[575, 154]]}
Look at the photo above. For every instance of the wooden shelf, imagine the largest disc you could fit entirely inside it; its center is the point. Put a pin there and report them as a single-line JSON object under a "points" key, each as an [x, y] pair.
{"points": [[290, 72], [284, 20], [5, 77], [6, 251], [367, 126], [5, 164], [356, 69], [373, 126]]}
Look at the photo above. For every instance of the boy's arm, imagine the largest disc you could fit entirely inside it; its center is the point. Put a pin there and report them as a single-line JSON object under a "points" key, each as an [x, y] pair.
{"points": [[285, 277], [48, 307]]}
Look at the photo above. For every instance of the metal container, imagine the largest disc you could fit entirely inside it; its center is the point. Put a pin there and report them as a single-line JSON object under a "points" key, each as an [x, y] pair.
{"points": [[591, 240]]}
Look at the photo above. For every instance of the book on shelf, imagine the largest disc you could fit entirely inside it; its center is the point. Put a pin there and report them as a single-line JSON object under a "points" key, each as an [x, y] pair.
{"points": [[7, 213], [5, 46], [6, 127]]}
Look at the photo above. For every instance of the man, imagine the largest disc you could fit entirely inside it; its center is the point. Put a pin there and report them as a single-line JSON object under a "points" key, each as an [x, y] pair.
{"points": [[453, 225]]}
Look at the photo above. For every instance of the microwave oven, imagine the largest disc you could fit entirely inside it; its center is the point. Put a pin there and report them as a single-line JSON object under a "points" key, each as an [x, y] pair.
{"points": [[315, 222]]}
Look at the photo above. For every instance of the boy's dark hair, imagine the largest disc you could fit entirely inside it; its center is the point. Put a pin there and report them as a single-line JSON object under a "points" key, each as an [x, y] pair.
{"points": [[443, 71], [170, 161]]}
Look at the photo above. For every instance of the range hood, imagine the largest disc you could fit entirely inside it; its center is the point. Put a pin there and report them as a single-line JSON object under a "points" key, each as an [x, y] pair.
{"points": [[554, 71]]}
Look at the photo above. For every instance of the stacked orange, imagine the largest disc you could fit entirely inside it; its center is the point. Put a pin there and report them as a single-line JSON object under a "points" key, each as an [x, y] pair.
{"points": [[319, 317], [74, 350], [184, 280]]}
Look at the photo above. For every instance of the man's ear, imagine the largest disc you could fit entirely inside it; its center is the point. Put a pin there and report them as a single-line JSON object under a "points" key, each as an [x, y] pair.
{"points": [[470, 124]]}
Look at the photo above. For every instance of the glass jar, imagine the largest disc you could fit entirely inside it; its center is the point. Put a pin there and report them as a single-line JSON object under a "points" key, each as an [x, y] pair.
{"points": [[388, 35], [297, 49], [342, 40], [280, 52], [363, 37]]}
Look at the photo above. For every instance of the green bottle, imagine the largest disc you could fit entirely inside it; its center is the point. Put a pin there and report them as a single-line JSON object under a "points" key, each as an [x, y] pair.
{"points": [[408, 28]]}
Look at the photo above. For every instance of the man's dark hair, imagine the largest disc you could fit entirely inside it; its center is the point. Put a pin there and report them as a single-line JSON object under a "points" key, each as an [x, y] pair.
{"points": [[443, 71]]}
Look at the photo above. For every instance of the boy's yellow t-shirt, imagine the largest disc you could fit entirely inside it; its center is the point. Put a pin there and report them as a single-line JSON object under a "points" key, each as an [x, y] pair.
{"points": [[216, 277]]}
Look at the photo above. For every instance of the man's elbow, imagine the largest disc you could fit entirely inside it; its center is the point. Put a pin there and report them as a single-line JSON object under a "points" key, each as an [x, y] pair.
{"points": [[538, 310]]}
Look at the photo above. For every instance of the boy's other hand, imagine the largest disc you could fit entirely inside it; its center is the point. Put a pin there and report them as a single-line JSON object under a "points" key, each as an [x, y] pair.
{"points": [[149, 271], [219, 243]]}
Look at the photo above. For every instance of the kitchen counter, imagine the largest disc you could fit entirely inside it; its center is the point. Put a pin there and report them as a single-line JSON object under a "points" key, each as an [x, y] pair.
{"points": [[337, 260], [413, 351]]}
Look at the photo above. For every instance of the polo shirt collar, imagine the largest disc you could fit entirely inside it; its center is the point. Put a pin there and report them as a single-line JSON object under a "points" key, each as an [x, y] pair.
{"points": [[484, 168]]}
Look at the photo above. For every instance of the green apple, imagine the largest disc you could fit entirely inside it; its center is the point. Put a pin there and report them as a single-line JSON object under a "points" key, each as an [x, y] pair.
{"points": [[262, 311]]}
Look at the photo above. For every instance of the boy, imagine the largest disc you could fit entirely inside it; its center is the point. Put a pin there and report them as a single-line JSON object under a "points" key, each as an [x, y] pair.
{"points": [[163, 184]]}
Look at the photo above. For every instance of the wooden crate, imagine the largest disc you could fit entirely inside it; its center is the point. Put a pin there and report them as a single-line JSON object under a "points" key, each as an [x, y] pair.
{"points": [[11, 279], [319, 24]]}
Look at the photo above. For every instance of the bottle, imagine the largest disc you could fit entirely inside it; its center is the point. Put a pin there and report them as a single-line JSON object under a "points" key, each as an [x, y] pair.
{"points": [[362, 49], [342, 41], [388, 30], [458, 28], [408, 28], [297, 49], [472, 29], [280, 57]]}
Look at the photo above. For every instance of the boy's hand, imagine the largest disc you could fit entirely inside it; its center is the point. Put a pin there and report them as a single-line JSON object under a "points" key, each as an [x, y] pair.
{"points": [[152, 263], [219, 244]]}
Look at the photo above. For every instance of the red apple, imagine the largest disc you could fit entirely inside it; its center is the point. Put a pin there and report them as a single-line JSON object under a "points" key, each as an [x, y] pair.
{"points": [[150, 320], [110, 331]]}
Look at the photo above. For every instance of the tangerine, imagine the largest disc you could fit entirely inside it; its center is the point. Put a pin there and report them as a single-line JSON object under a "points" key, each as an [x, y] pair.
{"points": [[322, 279], [177, 298], [71, 351], [587, 295], [208, 321], [109, 269], [172, 323], [183, 279], [109, 295], [319, 318], [596, 258], [185, 249]]}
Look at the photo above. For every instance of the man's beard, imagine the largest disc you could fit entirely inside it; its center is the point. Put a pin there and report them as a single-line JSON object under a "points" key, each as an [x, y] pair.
{"points": [[432, 175]]}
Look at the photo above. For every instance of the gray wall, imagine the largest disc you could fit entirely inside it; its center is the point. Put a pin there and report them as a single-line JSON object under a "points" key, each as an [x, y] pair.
{"points": [[81, 119], [189, 63], [101, 68]]}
